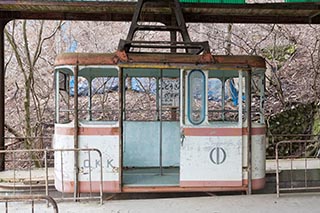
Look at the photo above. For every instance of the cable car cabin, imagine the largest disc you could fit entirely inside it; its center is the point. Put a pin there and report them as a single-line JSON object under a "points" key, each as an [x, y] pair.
{"points": [[189, 126]]}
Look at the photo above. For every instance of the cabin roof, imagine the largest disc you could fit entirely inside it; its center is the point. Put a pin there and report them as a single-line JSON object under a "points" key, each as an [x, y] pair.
{"points": [[158, 60]]}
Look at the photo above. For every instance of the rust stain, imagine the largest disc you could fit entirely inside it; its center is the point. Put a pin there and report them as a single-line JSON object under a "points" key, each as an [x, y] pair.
{"points": [[88, 131], [255, 131], [206, 58], [182, 189], [87, 186], [122, 56], [152, 60]]}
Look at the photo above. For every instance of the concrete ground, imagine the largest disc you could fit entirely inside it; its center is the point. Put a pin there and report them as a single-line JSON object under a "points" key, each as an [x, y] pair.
{"points": [[288, 203]]}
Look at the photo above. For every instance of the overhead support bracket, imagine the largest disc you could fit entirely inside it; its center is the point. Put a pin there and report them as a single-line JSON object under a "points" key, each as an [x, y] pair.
{"points": [[174, 26]]}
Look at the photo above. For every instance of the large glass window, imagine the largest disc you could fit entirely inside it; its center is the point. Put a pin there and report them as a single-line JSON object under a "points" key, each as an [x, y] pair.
{"points": [[141, 99], [196, 96], [103, 101], [97, 98]]}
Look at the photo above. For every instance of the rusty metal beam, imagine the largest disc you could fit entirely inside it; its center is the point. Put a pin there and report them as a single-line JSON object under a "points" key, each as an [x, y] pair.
{"points": [[282, 13], [2, 92]]}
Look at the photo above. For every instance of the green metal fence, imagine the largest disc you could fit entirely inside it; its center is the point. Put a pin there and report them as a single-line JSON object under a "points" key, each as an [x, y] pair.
{"points": [[291, 1], [215, 1]]}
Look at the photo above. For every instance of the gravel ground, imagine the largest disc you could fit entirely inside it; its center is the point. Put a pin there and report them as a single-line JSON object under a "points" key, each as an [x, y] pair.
{"points": [[215, 204]]}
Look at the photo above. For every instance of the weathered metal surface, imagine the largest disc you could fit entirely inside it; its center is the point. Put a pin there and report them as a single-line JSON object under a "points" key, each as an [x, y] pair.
{"points": [[76, 134], [130, 189], [176, 24], [106, 163], [286, 13], [2, 95], [157, 59], [249, 129]]}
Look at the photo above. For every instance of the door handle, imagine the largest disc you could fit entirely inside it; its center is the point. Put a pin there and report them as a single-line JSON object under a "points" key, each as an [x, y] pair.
{"points": [[182, 137]]}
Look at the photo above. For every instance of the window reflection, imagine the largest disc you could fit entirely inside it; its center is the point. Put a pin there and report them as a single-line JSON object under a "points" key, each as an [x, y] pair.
{"points": [[196, 100]]}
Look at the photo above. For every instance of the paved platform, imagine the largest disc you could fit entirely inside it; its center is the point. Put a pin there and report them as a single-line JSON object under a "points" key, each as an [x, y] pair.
{"points": [[293, 203]]}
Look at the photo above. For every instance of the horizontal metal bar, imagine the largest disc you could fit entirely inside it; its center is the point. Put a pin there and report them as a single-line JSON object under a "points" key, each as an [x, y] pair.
{"points": [[167, 42], [293, 135], [223, 111], [94, 111], [295, 141], [17, 198], [51, 150], [44, 137], [79, 198], [166, 46], [157, 28], [299, 188], [288, 13]]}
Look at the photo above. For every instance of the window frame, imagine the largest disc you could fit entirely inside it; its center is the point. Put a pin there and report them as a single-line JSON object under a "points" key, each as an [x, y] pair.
{"points": [[203, 98]]}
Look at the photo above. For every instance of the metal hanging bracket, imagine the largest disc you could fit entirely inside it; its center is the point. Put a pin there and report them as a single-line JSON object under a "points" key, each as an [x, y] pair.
{"points": [[175, 25]]}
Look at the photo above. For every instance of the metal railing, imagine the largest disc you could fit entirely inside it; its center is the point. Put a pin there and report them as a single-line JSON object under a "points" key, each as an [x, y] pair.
{"points": [[25, 176], [297, 160], [28, 198], [275, 138]]}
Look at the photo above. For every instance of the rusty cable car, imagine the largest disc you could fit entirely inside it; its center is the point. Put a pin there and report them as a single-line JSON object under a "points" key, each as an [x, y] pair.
{"points": [[186, 141]]}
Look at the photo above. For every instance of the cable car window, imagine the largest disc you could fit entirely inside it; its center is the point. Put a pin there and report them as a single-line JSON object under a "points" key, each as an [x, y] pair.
{"points": [[83, 94], [170, 92], [231, 105], [215, 100], [104, 99], [141, 99], [62, 81], [196, 97]]}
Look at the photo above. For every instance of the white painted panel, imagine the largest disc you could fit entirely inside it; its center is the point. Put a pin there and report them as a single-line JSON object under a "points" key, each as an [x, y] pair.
{"points": [[200, 162], [258, 156], [108, 146]]}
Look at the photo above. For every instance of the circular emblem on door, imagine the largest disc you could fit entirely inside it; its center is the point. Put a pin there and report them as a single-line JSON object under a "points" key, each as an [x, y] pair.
{"points": [[218, 155]]}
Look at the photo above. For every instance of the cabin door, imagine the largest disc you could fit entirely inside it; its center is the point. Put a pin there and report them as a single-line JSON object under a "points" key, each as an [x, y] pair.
{"points": [[210, 152]]}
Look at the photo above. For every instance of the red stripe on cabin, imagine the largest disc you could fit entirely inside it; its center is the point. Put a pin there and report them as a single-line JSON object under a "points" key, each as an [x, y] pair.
{"points": [[87, 131], [255, 131], [222, 131], [213, 131], [256, 183], [210, 183], [187, 131], [86, 186]]}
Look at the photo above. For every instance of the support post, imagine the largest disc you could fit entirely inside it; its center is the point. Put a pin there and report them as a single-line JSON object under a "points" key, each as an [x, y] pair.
{"points": [[57, 96], [223, 97], [173, 34], [76, 136], [2, 91], [249, 127], [120, 118], [90, 99], [160, 144]]}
